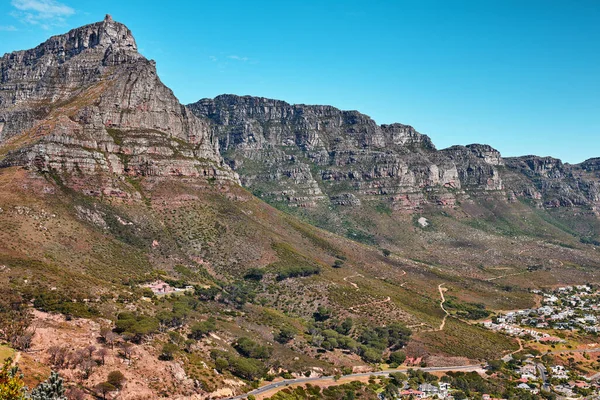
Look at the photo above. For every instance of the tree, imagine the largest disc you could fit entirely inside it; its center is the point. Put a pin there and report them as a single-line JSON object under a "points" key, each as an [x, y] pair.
{"points": [[104, 388], [249, 348], [116, 378], [391, 391], [104, 330], [51, 389], [12, 386], [397, 357], [90, 349], [15, 320], [127, 349], [322, 314], [254, 274], [338, 264], [168, 350], [221, 364], [345, 327], [110, 339], [285, 335], [201, 329], [102, 353]]}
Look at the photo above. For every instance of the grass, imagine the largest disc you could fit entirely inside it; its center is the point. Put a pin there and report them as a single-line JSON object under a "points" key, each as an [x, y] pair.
{"points": [[6, 352]]}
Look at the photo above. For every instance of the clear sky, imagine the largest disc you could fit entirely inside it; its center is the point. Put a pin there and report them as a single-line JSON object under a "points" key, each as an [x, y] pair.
{"points": [[520, 75]]}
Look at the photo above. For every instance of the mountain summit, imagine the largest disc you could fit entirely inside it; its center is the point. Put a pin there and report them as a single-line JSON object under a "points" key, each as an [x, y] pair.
{"points": [[87, 103]]}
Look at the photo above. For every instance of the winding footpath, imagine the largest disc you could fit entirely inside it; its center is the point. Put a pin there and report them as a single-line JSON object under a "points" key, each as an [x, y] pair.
{"points": [[442, 290], [387, 300], [354, 285], [287, 382]]}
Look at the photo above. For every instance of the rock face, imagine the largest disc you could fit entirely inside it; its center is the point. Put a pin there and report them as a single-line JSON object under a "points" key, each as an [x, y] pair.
{"points": [[87, 103], [304, 156]]}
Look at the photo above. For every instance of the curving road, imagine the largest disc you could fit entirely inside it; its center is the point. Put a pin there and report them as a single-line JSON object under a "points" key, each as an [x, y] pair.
{"points": [[288, 382]]}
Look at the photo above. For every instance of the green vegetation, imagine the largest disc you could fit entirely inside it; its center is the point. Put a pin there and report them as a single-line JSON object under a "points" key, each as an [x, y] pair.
{"points": [[292, 264], [12, 386], [136, 327], [202, 329], [466, 310], [59, 303], [249, 348], [346, 391], [245, 368]]}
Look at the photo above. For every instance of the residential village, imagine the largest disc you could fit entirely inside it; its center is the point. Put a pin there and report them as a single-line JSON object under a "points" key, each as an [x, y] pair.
{"points": [[566, 308]]}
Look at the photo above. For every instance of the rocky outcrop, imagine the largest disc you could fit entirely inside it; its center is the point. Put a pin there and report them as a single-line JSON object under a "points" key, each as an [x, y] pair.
{"points": [[556, 184], [87, 102], [304, 155], [308, 155]]}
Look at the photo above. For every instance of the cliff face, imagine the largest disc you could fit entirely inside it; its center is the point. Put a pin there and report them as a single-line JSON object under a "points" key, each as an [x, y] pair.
{"points": [[306, 155], [303, 155], [87, 102]]}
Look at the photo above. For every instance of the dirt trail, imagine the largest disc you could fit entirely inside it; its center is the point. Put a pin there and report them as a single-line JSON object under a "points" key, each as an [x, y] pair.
{"points": [[519, 349], [354, 285], [505, 276], [17, 358], [442, 290], [387, 300]]}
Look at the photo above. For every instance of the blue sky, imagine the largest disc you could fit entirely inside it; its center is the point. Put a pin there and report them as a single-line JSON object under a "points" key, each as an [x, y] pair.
{"points": [[520, 75]]}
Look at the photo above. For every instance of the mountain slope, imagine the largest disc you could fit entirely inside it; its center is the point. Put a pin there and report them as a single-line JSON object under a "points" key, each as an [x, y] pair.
{"points": [[107, 183], [88, 104], [326, 165]]}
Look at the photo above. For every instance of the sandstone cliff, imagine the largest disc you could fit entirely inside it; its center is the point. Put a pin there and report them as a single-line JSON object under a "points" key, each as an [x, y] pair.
{"points": [[303, 155], [87, 103]]}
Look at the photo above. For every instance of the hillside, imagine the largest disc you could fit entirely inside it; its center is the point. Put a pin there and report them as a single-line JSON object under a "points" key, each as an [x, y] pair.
{"points": [[108, 183]]}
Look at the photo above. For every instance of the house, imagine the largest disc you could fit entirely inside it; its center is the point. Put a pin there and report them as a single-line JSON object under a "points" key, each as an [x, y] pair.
{"points": [[413, 361], [160, 287], [411, 392], [429, 389], [580, 385], [550, 339]]}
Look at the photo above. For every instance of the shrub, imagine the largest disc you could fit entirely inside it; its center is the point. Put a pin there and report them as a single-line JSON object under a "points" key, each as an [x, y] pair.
{"points": [[168, 350], [116, 378], [285, 335], [202, 329], [254, 274], [249, 348]]}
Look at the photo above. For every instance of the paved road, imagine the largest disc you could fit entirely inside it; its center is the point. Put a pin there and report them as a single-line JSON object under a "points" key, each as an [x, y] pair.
{"points": [[543, 376], [596, 350], [288, 382]]}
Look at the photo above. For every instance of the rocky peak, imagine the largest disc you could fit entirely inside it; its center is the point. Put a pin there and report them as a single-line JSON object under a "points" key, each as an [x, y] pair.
{"points": [[87, 103]]}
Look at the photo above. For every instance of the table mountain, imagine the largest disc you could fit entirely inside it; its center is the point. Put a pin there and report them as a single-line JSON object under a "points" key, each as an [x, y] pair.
{"points": [[303, 155]]}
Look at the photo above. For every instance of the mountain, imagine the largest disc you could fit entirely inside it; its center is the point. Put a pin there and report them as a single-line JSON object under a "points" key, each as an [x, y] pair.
{"points": [[87, 102], [319, 157], [108, 184]]}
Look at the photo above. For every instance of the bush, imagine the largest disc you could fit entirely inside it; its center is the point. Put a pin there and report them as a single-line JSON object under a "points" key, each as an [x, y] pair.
{"points": [[168, 350], [254, 274], [249, 348], [202, 329], [294, 271], [285, 335], [116, 378]]}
